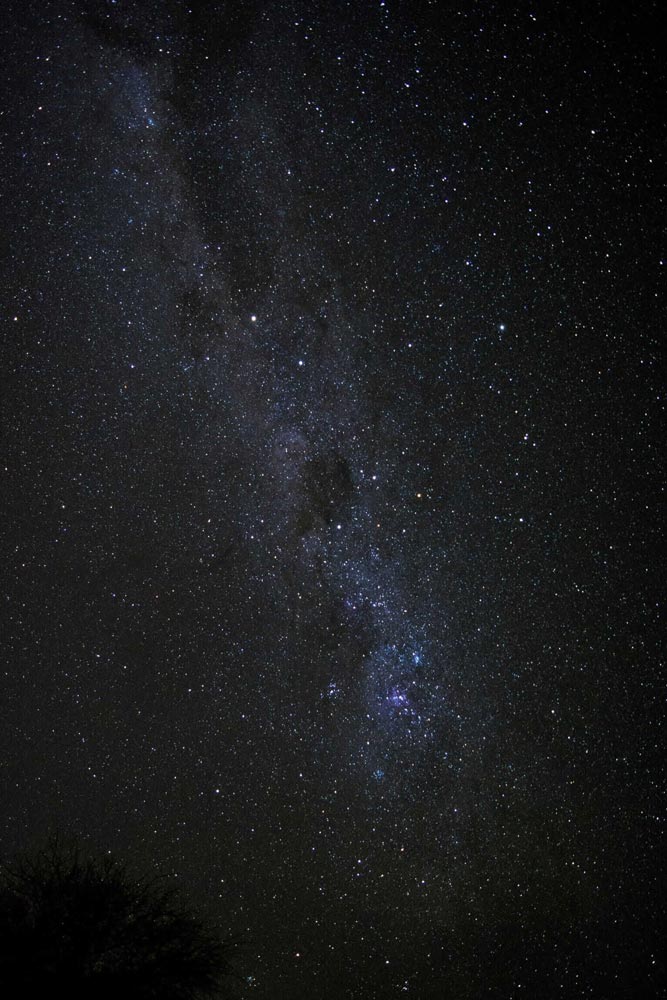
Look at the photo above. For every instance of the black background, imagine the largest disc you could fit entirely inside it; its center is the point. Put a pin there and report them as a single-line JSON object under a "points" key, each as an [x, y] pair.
{"points": [[330, 409]]}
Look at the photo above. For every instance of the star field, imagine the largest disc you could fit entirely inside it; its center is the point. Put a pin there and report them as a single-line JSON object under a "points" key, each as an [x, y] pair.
{"points": [[332, 476]]}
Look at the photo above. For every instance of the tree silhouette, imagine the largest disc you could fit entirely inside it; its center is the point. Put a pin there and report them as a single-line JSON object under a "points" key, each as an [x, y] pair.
{"points": [[86, 927]]}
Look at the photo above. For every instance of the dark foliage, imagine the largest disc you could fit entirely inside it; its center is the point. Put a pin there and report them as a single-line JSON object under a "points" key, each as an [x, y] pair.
{"points": [[86, 928]]}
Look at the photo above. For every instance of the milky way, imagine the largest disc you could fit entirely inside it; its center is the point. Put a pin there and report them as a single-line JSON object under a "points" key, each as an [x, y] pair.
{"points": [[330, 397]]}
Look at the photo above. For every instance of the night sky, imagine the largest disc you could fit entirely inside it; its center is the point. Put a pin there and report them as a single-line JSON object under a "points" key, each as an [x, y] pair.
{"points": [[331, 466]]}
